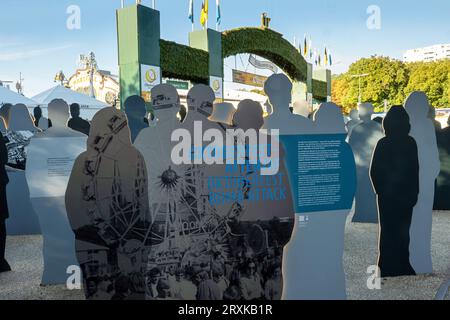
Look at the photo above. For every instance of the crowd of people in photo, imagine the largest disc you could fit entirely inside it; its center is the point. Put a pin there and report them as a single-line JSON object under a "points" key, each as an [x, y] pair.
{"points": [[248, 279]]}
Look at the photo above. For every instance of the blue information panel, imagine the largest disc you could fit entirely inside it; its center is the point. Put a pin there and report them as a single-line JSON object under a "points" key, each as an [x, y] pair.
{"points": [[321, 172]]}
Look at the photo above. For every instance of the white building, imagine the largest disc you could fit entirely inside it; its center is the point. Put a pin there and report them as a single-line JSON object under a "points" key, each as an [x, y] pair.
{"points": [[428, 54]]}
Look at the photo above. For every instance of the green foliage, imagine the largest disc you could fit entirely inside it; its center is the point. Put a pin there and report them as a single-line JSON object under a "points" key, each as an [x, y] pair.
{"points": [[319, 89], [268, 44], [392, 80], [183, 62], [186, 63], [432, 78]]}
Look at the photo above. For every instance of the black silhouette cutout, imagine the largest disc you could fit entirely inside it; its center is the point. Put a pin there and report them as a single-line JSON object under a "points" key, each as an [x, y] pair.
{"points": [[107, 206], [37, 113], [442, 197], [4, 213], [77, 123], [432, 116], [135, 110], [395, 176], [379, 120]]}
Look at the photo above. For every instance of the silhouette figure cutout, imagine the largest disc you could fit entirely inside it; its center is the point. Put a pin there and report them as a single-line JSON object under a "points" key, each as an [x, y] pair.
{"points": [[432, 116], [363, 140], [37, 113], [223, 113], [2, 125], [442, 198], [51, 155], [301, 108], [313, 257], [4, 213], [274, 214], [167, 185], [354, 121], [395, 177], [107, 206], [76, 123], [135, 110], [44, 123], [40, 121], [20, 119], [378, 120], [423, 131], [23, 219], [206, 228], [4, 112], [279, 91], [326, 229]]}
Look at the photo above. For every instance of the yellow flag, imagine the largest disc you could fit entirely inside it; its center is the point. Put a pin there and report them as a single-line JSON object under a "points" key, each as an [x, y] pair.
{"points": [[204, 13]]}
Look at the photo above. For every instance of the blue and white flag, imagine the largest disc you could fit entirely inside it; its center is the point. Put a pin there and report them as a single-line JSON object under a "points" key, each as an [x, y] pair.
{"points": [[191, 10], [219, 14]]}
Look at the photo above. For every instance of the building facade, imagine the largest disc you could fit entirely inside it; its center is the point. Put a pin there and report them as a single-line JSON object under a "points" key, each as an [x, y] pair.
{"points": [[105, 85], [428, 54]]}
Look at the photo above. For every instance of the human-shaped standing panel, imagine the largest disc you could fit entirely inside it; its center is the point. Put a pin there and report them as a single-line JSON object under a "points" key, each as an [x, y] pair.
{"points": [[363, 140], [223, 113], [50, 158], [4, 212], [4, 112], [423, 131], [107, 206], [23, 219], [169, 204], [395, 176], [321, 236], [442, 199], [76, 122], [269, 206], [135, 110], [2, 125], [330, 127], [353, 122]]}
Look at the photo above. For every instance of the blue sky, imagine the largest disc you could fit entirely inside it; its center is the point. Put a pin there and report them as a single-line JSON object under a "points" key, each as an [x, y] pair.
{"points": [[34, 39]]}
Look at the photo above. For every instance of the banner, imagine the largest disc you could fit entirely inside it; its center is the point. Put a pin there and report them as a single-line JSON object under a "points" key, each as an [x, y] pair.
{"points": [[262, 64], [150, 77], [216, 83], [249, 79]]}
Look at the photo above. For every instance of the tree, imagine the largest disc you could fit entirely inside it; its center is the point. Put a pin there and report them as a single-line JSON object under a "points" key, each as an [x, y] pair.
{"points": [[392, 80], [386, 80], [433, 78]]}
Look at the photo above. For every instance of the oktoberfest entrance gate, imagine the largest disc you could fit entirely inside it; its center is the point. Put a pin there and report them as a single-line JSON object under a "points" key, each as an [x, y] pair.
{"points": [[145, 58]]}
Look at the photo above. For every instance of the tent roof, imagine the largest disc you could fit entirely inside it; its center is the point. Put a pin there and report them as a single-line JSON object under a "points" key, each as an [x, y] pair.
{"points": [[8, 96], [70, 96]]}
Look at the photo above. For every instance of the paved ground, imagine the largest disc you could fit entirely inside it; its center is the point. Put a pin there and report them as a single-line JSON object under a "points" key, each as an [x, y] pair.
{"points": [[24, 254]]}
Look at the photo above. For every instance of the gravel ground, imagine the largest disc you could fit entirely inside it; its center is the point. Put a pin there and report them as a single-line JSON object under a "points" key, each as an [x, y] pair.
{"points": [[25, 257]]}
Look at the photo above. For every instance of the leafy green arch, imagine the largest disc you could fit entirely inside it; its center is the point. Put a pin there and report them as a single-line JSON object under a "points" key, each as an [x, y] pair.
{"points": [[268, 44], [186, 63]]}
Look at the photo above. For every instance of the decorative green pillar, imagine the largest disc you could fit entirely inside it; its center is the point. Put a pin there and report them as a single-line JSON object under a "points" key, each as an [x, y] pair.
{"points": [[211, 41], [138, 36], [302, 91], [324, 75]]}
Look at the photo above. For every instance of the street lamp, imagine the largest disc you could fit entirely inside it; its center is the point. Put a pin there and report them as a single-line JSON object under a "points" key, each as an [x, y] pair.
{"points": [[359, 76]]}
